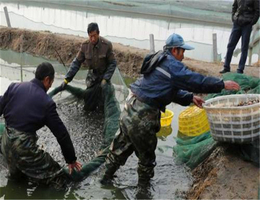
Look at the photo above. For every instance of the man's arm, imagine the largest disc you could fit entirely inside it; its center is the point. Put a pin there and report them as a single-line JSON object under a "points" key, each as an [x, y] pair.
{"points": [[183, 98], [1, 105], [75, 65], [4, 99], [234, 9], [111, 63], [185, 79], [54, 123], [256, 14]]}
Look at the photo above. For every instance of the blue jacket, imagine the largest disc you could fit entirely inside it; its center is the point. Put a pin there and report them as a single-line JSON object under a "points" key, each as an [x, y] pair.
{"points": [[26, 107], [170, 82]]}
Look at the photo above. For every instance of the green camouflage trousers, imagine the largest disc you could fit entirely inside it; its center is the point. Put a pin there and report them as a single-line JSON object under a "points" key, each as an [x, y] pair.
{"points": [[139, 124], [24, 157]]}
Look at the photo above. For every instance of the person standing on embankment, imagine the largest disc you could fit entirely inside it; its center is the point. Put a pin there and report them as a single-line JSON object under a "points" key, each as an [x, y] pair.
{"points": [[245, 14]]}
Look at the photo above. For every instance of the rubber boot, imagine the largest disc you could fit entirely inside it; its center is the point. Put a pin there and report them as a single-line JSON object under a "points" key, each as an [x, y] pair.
{"points": [[109, 174]]}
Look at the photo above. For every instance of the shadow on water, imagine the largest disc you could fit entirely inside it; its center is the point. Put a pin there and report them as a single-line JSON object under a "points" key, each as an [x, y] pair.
{"points": [[28, 190], [170, 181]]}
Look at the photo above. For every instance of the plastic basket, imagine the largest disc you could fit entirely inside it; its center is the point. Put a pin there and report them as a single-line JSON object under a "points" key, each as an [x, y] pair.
{"points": [[193, 121], [232, 123], [166, 118]]}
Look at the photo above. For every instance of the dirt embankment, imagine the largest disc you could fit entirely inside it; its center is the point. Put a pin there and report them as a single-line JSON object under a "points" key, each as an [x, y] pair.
{"points": [[129, 59], [45, 44], [224, 175]]}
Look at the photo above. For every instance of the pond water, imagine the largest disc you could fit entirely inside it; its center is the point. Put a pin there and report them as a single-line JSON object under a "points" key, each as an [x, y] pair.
{"points": [[128, 29], [171, 179]]}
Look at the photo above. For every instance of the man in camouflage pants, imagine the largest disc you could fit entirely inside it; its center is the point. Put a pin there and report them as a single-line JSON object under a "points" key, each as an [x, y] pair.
{"points": [[26, 108], [140, 121], [143, 119]]}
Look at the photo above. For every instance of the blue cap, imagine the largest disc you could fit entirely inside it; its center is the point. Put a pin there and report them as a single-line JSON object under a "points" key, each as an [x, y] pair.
{"points": [[175, 40]]}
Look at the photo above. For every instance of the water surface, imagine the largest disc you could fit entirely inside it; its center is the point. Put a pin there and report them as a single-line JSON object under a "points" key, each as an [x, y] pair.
{"points": [[171, 180]]}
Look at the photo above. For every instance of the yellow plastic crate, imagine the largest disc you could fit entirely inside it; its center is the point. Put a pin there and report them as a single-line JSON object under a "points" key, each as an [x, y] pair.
{"points": [[166, 118], [193, 121]]}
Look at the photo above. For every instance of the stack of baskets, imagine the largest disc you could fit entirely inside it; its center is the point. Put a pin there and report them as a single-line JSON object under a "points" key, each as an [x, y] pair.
{"points": [[193, 121], [232, 123]]}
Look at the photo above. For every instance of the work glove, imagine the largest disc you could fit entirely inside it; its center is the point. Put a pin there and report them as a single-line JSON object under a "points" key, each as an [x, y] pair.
{"points": [[103, 82], [63, 84]]}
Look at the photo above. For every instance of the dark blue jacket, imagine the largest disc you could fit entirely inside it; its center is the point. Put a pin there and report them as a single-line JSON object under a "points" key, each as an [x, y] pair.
{"points": [[245, 12], [170, 82], [26, 107]]}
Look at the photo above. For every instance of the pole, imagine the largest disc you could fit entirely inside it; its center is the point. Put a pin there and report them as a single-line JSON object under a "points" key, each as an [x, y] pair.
{"points": [[215, 52], [61, 59], [253, 43], [7, 17], [21, 52], [151, 43]]}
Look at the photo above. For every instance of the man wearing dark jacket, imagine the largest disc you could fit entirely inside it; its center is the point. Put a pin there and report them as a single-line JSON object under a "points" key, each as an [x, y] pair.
{"points": [[97, 53], [245, 14], [27, 108], [169, 82]]}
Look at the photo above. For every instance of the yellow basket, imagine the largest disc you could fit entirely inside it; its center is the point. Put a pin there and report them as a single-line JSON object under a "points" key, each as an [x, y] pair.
{"points": [[166, 118], [193, 121]]}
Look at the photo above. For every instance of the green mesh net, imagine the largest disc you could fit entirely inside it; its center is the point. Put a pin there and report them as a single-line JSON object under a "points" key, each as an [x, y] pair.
{"points": [[2, 128], [109, 97], [112, 96], [111, 125], [193, 150], [248, 84]]}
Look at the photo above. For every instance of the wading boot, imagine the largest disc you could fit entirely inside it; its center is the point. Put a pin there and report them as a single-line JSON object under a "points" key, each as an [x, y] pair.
{"points": [[109, 174]]}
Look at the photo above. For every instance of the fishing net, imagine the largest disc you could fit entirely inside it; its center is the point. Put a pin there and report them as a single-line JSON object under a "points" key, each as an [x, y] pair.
{"points": [[193, 150], [111, 125], [108, 98], [248, 84], [2, 128]]}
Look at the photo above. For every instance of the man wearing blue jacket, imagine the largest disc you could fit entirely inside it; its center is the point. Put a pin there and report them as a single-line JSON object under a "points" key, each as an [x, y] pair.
{"points": [[27, 108], [169, 82]]}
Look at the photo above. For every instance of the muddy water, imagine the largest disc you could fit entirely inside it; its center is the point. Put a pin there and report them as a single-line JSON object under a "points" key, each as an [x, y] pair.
{"points": [[170, 181]]}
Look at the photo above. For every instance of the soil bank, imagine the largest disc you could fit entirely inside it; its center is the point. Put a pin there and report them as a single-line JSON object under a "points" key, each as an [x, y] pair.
{"points": [[221, 176], [129, 59]]}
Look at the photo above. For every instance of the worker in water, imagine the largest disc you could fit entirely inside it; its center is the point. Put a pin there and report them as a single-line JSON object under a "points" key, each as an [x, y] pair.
{"points": [[165, 80], [98, 55], [27, 108]]}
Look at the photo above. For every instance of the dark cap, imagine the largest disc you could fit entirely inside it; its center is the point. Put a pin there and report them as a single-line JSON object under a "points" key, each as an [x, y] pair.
{"points": [[175, 40]]}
